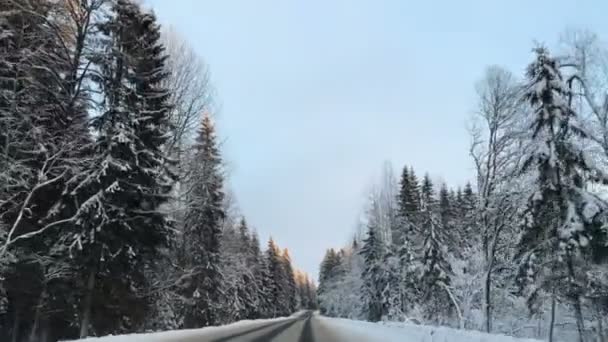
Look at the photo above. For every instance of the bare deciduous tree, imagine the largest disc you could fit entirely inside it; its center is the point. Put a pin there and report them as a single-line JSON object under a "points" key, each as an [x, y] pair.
{"points": [[587, 57], [190, 87], [495, 150]]}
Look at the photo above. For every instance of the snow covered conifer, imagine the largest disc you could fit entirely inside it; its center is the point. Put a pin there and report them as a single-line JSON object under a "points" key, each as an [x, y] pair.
{"points": [[118, 228], [258, 268], [203, 230], [373, 251], [276, 281], [445, 207], [563, 220], [435, 269], [290, 282]]}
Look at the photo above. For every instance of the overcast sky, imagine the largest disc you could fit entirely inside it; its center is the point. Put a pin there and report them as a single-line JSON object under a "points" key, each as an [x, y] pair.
{"points": [[316, 94]]}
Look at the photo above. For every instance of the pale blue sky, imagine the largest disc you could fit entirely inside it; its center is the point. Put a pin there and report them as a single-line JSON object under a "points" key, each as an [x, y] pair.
{"points": [[316, 94]]}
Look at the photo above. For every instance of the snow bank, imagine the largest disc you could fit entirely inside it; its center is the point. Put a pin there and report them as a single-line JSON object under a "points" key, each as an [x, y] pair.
{"points": [[349, 330], [179, 335]]}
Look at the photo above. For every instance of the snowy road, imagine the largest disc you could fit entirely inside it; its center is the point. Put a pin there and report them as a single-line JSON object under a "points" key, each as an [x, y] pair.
{"points": [[305, 328]]}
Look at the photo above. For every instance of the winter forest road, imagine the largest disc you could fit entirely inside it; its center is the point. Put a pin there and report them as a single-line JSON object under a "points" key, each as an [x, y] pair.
{"points": [[304, 328]]}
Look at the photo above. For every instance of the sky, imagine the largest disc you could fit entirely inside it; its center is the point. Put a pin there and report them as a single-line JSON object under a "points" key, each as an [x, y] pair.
{"points": [[315, 95]]}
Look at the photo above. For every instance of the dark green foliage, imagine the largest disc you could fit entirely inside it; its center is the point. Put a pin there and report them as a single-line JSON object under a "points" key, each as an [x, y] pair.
{"points": [[373, 252]]}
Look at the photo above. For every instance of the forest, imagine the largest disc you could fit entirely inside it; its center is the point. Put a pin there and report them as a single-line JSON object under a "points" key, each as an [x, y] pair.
{"points": [[115, 213], [520, 250]]}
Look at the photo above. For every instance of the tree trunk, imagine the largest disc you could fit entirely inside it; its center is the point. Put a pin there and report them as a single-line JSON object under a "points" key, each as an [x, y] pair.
{"points": [[600, 328], [580, 323], [488, 301], [34, 331], [16, 324], [88, 301], [552, 322]]}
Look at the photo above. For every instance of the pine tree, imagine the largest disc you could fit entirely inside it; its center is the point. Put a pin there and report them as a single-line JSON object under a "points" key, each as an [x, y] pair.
{"points": [[373, 252], [392, 292], [244, 234], [413, 203], [562, 219], [290, 282], [257, 265], [275, 281], [470, 231], [43, 142], [403, 199], [330, 273], [445, 207], [408, 202], [118, 229], [403, 288], [311, 294], [249, 254], [202, 232], [237, 277], [435, 269]]}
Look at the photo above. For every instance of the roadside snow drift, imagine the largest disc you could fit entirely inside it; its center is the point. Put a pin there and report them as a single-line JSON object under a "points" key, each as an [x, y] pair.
{"points": [[359, 331], [182, 335]]}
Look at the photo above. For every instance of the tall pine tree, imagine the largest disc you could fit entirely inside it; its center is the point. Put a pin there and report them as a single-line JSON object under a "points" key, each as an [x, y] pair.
{"points": [[373, 252], [118, 228], [561, 231], [290, 282], [202, 232], [435, 270]]}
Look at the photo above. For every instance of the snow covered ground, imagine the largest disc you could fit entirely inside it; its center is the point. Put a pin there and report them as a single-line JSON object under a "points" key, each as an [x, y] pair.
{"points": [[349, 330], [306, 328]]}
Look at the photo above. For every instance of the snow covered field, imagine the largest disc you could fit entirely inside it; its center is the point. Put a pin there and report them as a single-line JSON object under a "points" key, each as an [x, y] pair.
{"points": [[305, 328]]}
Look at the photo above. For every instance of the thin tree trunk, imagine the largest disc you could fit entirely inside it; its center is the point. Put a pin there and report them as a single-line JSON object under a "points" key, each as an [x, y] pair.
{"points": [[34, 331], [552, 322], [488, 301], [600, 328], [580, 323], [88, 301], [458, 312], [16, 324]]}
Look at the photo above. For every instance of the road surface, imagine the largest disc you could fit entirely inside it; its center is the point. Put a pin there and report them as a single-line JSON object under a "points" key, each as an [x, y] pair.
{"points": [[305, 328]]}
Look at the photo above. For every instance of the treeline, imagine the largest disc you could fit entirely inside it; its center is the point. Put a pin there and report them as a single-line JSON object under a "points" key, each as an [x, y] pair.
{"points": [[525, 251], [406, 252], [114, 213]]}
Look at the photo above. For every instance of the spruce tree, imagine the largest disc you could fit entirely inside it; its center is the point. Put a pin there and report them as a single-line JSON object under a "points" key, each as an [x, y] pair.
{"points": [[290, 282], [257, 266], [250, 253], [435, 269], [373, 251], [562, 220], [202, 232], [244, 234], [392, 292], [470, 230], [445, 207], [403, 219], [118, 229], [237, 277], [311, 294], [43, 139], [275, 281], [413, 204]]}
